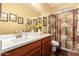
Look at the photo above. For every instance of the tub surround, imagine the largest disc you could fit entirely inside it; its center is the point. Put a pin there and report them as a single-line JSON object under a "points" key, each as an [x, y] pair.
{"points": [[69, 52], [26, 39]]}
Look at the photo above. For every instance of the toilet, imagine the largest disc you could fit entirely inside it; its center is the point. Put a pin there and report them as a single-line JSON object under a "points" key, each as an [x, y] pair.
{"points": [[55, 44]]}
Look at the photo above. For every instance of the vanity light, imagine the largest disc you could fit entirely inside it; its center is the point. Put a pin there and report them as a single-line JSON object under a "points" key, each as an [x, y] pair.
{"points": [[37, 6]]}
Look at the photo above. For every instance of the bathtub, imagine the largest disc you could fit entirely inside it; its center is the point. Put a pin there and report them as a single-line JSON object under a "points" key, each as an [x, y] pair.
{"points": [[69, 52]]}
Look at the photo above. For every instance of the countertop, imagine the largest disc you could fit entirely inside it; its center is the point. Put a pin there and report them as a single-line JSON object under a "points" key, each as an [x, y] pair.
{"points": [[13, 43]]}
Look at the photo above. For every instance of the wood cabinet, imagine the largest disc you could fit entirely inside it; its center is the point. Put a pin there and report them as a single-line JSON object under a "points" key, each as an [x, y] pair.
{"points": [[46, 46], [24, 50], [37, 48], [46, 49]]}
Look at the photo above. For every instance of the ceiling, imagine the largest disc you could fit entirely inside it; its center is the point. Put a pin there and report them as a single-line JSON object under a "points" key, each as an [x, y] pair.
{"points": [[54, 4], [33, 7], [42, 7], [49, 7]]}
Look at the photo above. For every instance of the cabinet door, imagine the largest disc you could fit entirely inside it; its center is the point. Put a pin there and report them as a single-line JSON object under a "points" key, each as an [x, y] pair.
{"points": [[46, 49], [36, 52]]}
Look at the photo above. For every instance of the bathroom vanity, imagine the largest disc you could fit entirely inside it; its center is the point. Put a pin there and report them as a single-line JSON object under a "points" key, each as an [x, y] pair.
{"points": [[36, 45]]}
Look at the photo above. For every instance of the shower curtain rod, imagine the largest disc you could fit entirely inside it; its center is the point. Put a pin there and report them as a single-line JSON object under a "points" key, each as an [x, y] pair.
{"points": [[64, 10]]}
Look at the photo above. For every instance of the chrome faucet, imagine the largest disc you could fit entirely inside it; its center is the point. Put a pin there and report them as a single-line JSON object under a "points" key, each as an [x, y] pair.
{"points": [[18, 34]]}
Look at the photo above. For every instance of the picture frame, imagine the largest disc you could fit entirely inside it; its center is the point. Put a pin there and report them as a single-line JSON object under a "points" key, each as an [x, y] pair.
{"points": [[20, 20], [29, 21], [39, 20], [4, 17], [34, 21], [12, 17], [45, 29], [44, 21]]}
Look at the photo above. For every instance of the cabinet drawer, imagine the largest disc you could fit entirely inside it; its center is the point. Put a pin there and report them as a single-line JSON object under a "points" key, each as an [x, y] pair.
{"points": [[23, 50], [45, 40]]}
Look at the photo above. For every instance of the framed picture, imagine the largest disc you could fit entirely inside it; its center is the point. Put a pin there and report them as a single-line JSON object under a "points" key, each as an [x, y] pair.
{"points": [[45, 29], [12, 17], [29, 21], [39, 20], [20, 20], [44, 21], [4, 17], [34, 21]]}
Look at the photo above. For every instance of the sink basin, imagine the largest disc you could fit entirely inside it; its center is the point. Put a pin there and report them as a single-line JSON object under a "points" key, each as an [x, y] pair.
{"points": [[7, 43], [0, 44], [8, 36], [23, 39], [18, 40]]}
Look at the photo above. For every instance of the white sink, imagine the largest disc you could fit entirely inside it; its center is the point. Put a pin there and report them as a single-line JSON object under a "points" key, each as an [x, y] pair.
{"points": [[23, 39], [8, 36], [0, 45], [7, 43], [18, 40]]}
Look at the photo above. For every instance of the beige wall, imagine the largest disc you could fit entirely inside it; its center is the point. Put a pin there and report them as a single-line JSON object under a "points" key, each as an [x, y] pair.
{"points": [[20, 10], [26, 12]]}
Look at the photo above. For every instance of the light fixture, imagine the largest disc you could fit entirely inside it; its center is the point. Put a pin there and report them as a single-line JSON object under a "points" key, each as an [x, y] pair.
{"points": [[37, 5]]}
